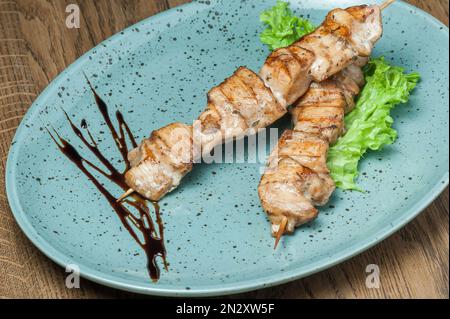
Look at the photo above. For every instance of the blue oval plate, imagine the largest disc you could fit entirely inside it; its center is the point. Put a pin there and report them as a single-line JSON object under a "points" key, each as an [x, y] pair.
{"points": [[217, 237]]}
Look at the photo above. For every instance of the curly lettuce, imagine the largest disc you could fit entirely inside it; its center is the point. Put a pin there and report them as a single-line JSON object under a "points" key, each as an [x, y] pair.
{"points": [[283, 28], [369, 126]]}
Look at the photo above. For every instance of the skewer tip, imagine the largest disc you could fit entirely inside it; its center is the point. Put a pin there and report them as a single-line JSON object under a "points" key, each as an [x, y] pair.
{"points": [[280, 231], [386, 4], [125, 195]]}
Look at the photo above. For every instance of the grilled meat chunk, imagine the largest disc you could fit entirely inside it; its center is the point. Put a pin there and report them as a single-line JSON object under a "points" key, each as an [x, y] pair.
{"points": [[240, 104], [337, 43], [160, 162]]}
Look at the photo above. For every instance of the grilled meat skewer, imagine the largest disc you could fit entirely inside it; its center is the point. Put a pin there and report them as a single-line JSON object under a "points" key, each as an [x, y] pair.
{"points": [[297, 178], [240, 104], [246, 102]]}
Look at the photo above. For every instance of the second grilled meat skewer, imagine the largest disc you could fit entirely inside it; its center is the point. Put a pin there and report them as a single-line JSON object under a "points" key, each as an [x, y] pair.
{"points": [[297, 177]]}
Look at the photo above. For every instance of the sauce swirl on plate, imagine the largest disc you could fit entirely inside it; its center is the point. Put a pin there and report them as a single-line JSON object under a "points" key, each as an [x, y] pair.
{"points": [[147, 231]]}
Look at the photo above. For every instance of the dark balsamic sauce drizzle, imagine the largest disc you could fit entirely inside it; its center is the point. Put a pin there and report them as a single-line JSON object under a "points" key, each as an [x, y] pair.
{"points": [[141, 223]]}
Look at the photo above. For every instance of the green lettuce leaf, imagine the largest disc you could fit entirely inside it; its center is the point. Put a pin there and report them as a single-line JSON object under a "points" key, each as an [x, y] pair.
{"points": [[283, 28], [369, 126]]}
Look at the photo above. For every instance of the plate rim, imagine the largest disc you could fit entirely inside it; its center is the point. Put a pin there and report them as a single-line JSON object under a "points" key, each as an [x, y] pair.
{"points": [[212, 290]]}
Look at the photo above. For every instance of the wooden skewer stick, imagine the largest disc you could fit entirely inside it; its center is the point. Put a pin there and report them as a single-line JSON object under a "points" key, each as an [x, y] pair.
{"points": [[386, 4], [127, 193], [280, 231]]}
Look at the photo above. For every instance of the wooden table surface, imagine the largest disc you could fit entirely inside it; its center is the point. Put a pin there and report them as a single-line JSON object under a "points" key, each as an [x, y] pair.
{"points": [[35, 46]]}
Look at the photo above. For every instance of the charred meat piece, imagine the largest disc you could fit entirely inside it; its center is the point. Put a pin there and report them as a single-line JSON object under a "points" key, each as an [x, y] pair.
{"points": [[240, 104], [160, 162], [344, 36]]}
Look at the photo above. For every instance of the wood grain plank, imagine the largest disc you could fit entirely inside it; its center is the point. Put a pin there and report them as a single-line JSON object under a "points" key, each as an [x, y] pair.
{"points": [[413, 262]]}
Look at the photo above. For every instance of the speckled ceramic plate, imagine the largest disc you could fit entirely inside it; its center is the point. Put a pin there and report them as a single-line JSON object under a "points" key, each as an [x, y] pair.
{"points": [[217, 236]]}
